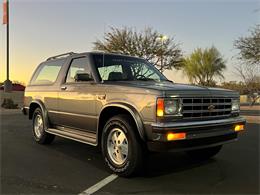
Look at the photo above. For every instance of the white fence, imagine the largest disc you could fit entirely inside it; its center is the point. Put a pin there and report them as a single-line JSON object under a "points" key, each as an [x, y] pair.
{"points": [[244, 99]]}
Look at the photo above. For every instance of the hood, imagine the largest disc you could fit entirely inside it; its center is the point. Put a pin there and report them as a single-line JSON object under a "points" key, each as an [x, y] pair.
{"points": [[170, 89]]}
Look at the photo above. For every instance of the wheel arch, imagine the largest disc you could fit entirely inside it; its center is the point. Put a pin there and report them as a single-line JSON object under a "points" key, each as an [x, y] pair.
{"points": [[123, 109], [38, 104]]}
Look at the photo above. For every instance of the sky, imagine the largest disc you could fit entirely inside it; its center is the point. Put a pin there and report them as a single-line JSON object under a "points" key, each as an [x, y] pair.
{"points": [[43, 28]]}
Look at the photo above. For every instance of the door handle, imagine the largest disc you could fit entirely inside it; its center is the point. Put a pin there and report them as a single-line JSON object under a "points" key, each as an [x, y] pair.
{"points": [[63, 88]]}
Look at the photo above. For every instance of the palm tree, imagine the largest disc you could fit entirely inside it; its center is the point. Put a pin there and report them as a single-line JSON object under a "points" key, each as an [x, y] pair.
{"points": [[203, 66]]}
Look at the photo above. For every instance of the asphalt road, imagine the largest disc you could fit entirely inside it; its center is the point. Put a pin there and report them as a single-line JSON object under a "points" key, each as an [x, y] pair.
{"points": [[70, 167]]}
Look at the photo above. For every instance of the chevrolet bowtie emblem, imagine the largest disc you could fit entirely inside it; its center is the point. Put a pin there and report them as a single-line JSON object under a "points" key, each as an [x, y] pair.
{"points": [[211, 108]]}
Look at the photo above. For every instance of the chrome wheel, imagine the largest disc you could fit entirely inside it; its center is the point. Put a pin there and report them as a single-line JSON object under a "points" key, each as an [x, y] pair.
{"points": [[38, 125], [117, 146]]}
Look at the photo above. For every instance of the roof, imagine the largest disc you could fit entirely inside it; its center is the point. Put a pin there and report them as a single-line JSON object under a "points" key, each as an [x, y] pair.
{"points": [[69, 54]]}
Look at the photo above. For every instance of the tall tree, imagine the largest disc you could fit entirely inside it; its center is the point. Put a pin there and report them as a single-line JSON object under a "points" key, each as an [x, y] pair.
{"points": [[203, 66], [163, 53], [249, 47], [248, 68]]}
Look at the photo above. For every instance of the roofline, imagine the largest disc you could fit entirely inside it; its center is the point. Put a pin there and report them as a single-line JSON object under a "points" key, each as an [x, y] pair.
{"points": [[71, 54]]}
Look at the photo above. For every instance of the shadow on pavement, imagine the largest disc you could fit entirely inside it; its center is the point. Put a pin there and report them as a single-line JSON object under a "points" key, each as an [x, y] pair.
{"points": [[165, 163], [157, 164], [80, 151]]}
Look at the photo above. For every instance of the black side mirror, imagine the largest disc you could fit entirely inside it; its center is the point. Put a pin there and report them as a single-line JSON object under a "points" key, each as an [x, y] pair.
{"points": [[83, 77]]}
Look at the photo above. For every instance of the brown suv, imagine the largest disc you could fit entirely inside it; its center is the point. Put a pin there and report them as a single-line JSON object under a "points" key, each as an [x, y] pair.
{"points": [[125, 105]]}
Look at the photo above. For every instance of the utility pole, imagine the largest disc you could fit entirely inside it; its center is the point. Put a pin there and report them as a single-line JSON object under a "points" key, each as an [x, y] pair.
{"points": [[7, 82]]}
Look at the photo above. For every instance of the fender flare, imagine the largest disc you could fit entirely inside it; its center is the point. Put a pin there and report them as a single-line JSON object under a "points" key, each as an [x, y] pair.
{"points": [[134, 113]]}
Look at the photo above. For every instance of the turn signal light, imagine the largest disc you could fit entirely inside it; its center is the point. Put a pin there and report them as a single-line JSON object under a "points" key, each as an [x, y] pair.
{"points": [[239, 127], [160, 107], [176, 136]]}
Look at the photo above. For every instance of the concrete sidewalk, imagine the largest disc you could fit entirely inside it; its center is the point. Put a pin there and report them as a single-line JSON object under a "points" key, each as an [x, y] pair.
{"points": [[251, 113], [252, 119]]}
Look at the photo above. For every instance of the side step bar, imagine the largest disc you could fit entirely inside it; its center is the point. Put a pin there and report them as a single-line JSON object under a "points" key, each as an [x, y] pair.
{"points": [[76, 135]]}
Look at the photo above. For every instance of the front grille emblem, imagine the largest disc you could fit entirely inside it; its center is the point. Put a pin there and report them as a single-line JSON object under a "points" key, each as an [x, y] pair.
{"points": [[211, 107]]}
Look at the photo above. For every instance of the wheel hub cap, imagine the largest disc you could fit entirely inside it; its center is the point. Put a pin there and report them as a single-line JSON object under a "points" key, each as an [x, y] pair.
{"points": [[38, 125], [117, 145]]}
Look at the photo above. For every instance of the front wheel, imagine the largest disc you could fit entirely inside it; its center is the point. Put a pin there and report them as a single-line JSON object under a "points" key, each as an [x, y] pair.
{"points": [[205, 153], [121, 146]]}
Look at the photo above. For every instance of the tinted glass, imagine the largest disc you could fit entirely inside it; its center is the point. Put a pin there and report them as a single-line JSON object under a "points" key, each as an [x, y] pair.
{"points": [[78, 66], [47, 73], [106, 70], [120, 68]]}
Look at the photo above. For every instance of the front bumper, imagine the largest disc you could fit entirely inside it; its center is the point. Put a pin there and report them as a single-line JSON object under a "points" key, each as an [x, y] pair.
{"points": [[199, 134]]}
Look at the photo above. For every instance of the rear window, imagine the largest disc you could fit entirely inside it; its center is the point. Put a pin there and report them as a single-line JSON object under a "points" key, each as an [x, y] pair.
{"points": [[47, 73]]}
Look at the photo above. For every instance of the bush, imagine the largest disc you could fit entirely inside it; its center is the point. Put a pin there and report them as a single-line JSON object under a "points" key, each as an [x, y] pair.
{"points": [[9, 104]]}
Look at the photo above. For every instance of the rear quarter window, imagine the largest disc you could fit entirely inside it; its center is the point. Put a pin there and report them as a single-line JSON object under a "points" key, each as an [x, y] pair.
{"points": [[47, 73]]}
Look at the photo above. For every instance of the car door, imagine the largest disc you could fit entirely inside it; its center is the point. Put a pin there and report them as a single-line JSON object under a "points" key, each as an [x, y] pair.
{"points": [[76, 97]]}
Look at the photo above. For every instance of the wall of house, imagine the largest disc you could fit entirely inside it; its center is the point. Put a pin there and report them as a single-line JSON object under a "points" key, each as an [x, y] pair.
{"points": [[16, 96], [244, 99]]}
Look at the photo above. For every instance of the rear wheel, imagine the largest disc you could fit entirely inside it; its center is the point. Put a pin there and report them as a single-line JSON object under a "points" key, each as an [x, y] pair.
{"points": [[121, 146], [39, 126], [205, 153]]}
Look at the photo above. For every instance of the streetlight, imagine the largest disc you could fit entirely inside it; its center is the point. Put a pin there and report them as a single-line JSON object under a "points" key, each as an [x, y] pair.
{"points": [[162, 38]]}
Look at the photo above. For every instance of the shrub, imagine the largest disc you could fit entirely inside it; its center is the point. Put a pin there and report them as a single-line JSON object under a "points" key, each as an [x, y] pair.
{"points": [[9, 104]]}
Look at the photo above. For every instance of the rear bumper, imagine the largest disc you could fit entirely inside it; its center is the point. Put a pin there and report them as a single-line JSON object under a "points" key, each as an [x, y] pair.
{"points": [[199, 134]]}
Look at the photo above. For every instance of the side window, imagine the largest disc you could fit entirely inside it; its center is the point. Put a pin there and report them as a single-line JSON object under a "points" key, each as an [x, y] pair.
{"points": [[113, 72], [78, 66], [47, 73]]}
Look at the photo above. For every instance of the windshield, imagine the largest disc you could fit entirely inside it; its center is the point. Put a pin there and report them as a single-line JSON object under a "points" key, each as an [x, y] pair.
{"points": [[124, 68]]}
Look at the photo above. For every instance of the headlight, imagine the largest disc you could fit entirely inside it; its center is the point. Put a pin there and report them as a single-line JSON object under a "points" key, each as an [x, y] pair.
{"points": [[168, 107], [171, 106], [235, 105]]}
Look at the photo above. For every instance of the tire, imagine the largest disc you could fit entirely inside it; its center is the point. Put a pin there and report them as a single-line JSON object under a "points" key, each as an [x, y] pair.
{"points": [[122, 147], [204, 154], [38, 128]]}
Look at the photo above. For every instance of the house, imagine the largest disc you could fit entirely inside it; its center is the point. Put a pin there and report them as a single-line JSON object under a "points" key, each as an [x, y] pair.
{"points": [[16, 87]]}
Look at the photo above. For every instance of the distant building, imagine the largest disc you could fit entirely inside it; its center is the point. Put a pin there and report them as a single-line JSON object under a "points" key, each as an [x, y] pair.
{"points": [[16, 87]]}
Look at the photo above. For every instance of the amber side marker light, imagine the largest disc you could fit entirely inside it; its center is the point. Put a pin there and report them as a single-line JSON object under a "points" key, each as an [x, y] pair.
{"points": [[160, 107], [176, 136], [239, 127]]}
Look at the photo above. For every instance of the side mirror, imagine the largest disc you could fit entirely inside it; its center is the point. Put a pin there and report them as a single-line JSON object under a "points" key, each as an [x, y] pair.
{"points": [[83, 77]]}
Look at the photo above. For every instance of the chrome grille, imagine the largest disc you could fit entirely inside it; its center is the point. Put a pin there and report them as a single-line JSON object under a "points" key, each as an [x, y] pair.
{"points": [[206, 107]]}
